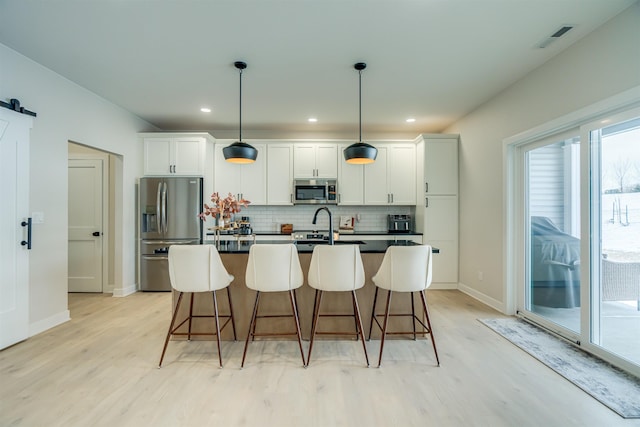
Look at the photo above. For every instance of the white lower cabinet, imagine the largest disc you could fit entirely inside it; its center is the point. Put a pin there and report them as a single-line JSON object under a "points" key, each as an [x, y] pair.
{"points": [[441, 231]]}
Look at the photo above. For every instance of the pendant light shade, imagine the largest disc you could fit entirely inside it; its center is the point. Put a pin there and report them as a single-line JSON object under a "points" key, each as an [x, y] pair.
{"points": [[240, 152], [360, 153]]}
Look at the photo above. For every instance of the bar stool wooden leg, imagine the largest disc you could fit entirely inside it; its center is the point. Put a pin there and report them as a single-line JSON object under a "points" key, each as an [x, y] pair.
{"points": [[294, 308], [426, 312], [359, 326], [384, 327], [190, 317], [314, 323], [373, 312], [233, 323], [413, 316], [173, 321], [355, 319], [215, 315], [252, 326]]}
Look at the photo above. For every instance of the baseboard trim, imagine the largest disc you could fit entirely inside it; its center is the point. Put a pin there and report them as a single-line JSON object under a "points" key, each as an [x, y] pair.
{"points": [[48, 323], [491, 302], [123, 292], [443, 286]]}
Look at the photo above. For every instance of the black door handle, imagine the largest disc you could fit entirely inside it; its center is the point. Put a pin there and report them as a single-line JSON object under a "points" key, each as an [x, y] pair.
{"points": [[27, 224], [96, 233]]}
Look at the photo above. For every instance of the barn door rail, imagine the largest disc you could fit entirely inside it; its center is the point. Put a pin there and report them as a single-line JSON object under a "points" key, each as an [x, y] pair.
{"points": [[14, 105]]}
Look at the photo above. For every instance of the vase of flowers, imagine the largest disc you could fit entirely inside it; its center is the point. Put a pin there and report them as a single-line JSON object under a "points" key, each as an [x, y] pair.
{"points": [[222, 208]]}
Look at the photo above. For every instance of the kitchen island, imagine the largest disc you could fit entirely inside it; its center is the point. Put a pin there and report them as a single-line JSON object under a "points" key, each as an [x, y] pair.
{"points": [[235, 255]]}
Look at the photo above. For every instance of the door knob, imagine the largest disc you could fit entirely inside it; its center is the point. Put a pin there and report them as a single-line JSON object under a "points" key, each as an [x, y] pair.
{"points": [[96, 233]]}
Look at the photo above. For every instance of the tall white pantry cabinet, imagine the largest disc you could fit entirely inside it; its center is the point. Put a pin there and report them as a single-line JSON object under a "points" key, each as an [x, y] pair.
{"points": [[437, 207]]}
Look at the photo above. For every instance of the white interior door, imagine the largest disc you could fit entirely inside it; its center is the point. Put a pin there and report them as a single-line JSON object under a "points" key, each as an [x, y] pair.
{"points": [[14, 256], [85, 225]]}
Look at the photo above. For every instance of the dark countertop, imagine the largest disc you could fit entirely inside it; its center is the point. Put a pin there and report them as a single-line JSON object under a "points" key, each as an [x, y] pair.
{"points": [[367, 246], [356, 233]]}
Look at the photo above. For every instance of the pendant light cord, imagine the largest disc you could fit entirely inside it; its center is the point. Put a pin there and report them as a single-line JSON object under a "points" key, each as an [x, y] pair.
{"points": [[360, 102], [240, 129]]}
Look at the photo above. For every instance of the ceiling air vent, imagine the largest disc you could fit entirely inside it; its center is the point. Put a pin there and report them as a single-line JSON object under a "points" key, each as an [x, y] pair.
{"points": [[555, 36]]}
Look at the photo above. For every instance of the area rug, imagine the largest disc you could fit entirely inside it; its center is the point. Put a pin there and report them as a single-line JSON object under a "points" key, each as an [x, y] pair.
{"points": [[611, 386]]}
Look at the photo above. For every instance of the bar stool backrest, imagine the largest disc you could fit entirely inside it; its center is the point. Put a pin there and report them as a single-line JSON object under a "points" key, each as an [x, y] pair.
{"points": [[197, 268], [336, 268], [273, 268], [405, 269]]}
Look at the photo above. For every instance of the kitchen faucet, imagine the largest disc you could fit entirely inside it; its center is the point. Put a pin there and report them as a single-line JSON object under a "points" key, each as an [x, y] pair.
{"points": [[315, 217]]}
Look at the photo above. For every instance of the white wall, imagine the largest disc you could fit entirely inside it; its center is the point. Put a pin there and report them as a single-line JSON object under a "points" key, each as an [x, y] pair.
{"points": [[68, 112], [603, 64]]}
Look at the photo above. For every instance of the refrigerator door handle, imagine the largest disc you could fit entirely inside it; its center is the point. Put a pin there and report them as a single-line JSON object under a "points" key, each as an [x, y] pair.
{"points": [[158, 213], [164, 207]]}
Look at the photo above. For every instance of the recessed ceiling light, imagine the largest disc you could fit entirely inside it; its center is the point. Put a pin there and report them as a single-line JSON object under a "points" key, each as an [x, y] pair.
{"points": [[410, 120], [312, 120], [205, 110]]}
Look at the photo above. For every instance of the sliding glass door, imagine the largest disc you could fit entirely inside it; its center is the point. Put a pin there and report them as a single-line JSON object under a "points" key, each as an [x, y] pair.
{"points": [[615, 236], [574, 224], [552, 230]]}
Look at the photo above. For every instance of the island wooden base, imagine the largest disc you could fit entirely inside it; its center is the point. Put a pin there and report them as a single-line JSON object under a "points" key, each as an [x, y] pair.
{"points": [[243, 300]]}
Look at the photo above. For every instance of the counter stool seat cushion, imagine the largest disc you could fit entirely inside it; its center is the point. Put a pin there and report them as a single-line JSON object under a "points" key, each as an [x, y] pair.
{"points": [[336, 268], [273, 268]]}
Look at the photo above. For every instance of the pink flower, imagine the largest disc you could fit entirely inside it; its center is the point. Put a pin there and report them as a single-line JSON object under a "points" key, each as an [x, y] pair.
{"points": [[225, 207]]}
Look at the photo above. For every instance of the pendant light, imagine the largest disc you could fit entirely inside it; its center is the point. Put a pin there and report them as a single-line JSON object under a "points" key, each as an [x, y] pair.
{"points": [[240, 152], [360, 153]]}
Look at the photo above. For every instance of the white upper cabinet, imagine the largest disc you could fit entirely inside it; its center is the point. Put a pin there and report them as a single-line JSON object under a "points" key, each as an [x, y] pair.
{"points": [[350, 181], [315, 160], [247, 181], [174, 155], [441, 165], [391, 179], [401, 174], [376, 191], [279, 174]]}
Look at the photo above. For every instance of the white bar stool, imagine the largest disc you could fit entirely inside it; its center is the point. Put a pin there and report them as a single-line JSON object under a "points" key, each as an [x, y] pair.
{"points": [[336, 269], [273, 268], [404, 269], [198, 268]]}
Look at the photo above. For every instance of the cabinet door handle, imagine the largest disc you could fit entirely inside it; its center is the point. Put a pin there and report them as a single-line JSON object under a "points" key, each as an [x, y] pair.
{"points": [[391, 197], [339, 197], [426, 187], [426, 202], [291, 196]]}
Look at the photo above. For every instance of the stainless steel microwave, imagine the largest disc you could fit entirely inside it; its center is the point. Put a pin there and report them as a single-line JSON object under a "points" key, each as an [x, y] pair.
{"points": [[315, 192]]}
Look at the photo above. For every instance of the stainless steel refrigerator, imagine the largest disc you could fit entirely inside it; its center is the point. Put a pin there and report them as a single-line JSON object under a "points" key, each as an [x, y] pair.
{"points": [[168, 210]]}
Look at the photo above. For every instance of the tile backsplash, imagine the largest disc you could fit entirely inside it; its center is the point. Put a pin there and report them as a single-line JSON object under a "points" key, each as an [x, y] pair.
{"points": [[267, 219]]}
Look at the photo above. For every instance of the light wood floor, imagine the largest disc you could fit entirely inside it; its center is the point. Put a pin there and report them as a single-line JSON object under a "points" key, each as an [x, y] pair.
{"points": [[100, 369]]}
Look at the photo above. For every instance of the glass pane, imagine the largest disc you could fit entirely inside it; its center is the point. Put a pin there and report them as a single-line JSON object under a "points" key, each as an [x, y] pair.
{"points": [[552, 197], [616, 239]]}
